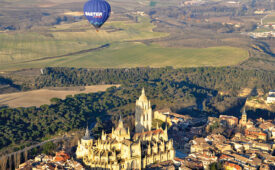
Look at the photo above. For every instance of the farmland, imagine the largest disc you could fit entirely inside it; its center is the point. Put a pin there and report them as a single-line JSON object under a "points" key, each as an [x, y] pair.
{"points": [[43, 96], [67, 38], [141, 33], [269, 19], [72, 45]]}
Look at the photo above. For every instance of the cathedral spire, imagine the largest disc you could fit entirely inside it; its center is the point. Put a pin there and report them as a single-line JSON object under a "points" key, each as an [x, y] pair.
{"points": [[143, 92], [120, 122], [87, 133], [143, 97], [244, 112]]}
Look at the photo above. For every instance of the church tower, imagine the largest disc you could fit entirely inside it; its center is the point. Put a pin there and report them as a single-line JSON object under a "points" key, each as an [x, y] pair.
{"points": [[143, 114], [243, 120]]}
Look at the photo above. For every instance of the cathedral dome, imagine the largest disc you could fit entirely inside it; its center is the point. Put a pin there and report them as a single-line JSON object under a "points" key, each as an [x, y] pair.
{"points": [[120, 130], [143, 96]]}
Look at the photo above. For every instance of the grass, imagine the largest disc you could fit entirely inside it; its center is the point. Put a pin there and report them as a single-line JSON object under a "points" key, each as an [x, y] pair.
{"points": [[24, 46], [140, 55], [20, 50], [135, 55]]}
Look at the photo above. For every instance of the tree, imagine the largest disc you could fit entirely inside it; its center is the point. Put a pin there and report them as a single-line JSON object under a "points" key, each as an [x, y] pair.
{"points": [[215, 166], [48, 148]]}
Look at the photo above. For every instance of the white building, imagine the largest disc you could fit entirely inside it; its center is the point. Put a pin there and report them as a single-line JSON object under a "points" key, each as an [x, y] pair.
{"points": [[271, 97]]}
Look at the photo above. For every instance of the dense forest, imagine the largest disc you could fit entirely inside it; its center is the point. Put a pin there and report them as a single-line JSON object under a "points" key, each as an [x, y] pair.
{"points": [[30, 124], [19, 125], [227, 79], [190, 91]]}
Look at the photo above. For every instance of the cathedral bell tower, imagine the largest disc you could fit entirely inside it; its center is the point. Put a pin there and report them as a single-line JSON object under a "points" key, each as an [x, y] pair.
{"points": [[143, 114]]}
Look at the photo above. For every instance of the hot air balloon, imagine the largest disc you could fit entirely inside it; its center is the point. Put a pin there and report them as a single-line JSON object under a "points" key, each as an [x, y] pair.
{"points": [[97, 12]]}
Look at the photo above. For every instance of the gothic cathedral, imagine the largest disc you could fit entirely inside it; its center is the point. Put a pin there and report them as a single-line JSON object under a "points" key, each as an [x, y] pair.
{"points": [[120, 150]]}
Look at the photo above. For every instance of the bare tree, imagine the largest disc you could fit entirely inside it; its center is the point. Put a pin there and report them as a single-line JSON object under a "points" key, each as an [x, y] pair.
{"points": [[3, 164], [18, 159], [10, 162], [26, 155], [15, 160]]}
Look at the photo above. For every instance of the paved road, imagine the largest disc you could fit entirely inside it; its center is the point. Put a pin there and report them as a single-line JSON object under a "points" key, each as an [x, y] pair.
{"points": [[36, 145]]}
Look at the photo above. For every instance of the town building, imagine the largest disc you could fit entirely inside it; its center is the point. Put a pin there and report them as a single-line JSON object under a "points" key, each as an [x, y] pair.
{"points": [[231, 166], [61, 160], [163, 115], [271, 97], [229, 121], [166, 115], [255, 133], [118, 150]]}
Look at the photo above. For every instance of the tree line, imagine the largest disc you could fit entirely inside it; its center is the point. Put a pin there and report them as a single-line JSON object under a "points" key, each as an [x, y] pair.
{"points": [[25, 125], [229, 79], [195, 88]]}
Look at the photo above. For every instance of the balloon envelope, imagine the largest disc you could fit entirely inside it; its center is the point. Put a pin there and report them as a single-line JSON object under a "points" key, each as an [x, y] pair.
{"points": [[97, 12]]}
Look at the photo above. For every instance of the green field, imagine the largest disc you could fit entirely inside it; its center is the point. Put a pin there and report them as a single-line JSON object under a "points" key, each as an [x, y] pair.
{"points": [[140, 55], [137, 55], [68, 38], [54, 47]]}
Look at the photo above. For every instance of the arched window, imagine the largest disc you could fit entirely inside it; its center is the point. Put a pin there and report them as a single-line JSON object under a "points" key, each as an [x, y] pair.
{"points": [[133, 164]]}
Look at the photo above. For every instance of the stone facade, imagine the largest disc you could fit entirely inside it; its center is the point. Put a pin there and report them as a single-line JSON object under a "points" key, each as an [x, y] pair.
{"points": [[83, 144], [118, 150], [163, 116]]}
